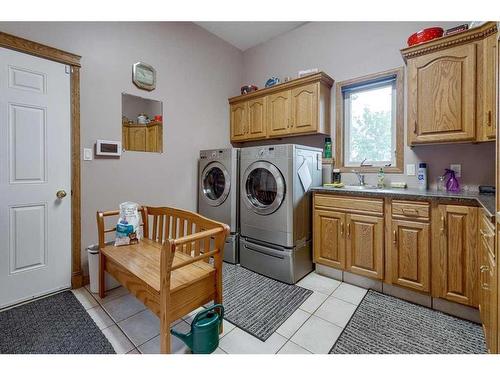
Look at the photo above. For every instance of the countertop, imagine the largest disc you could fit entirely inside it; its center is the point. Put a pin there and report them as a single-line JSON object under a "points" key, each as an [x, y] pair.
{"points": [[487, 201]]}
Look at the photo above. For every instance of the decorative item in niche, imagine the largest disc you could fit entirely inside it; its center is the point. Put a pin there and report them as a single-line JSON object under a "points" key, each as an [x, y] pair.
{"points": [[144, 76], [142, 124]]}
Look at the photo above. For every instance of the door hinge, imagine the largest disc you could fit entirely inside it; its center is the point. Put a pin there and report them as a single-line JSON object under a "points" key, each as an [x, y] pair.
{"points": [[67, 68]]}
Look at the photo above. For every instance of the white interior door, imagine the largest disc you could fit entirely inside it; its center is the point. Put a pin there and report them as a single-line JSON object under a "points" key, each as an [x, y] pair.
{"points": [[35, 225]]}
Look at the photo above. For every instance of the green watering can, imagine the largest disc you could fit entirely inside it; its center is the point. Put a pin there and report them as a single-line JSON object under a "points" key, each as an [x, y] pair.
{"points": [[204, 335]]}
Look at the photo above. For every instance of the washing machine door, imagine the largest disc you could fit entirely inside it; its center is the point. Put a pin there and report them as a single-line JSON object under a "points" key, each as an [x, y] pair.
{"points": [[264, 188], [215, 184]]}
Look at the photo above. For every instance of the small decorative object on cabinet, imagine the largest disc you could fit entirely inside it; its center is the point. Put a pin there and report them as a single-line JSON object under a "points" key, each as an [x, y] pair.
{"points": [[425, 35], [300, 106], [272, 81], [144, 76], [451, 88], [248, 88]]}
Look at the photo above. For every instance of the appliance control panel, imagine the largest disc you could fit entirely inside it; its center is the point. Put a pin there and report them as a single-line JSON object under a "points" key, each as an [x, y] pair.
{"points": [[213, 154]]}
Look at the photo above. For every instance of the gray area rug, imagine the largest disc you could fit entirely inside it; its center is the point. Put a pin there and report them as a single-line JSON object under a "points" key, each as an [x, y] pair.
{"points": [[386, 325], [257, 304], [54, 325]]}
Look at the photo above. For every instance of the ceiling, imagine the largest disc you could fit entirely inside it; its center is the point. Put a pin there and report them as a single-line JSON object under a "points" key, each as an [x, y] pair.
{"points": [[245, 35]]}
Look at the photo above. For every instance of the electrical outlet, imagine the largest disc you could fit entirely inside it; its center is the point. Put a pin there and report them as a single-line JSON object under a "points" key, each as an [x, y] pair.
{"points": [[410, 169], [457, 168], [87, 154]]}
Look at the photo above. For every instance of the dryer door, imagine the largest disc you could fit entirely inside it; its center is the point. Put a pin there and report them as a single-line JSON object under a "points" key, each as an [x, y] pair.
{"points": [[215, 183], [264, 189]]}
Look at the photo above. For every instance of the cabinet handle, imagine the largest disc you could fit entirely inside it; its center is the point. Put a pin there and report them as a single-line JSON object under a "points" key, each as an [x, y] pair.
{"points": [[342, 228], [489, 118], [349, 230], [484, 285], [415, 127], [443, 225], [486, 235], [394, 237]]}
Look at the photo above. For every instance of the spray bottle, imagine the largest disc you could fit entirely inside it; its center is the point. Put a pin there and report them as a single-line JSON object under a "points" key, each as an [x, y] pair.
{"points": [[452, 184]]}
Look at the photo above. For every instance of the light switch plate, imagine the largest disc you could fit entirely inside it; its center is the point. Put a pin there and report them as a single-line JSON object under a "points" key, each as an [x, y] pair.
{"points": [[87, 154], [457, 168], [410, 169]]}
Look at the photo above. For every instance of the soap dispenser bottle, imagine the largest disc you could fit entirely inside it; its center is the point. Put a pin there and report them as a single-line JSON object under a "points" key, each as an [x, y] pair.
{"points": [[422, 176]]}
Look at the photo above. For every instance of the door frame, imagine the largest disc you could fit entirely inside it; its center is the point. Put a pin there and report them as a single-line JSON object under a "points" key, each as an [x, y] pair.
{"points": [[50, 53]]}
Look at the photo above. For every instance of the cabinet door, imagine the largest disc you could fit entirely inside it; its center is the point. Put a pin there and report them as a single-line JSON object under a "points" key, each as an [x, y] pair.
{"points": [[305, 109], [329, 239], [483, 280], [137, 138], [493, 306], [410, 255], [458, 268], [442, 96], [238, 122], [278, 120], [257, 118], [489, 81], [151, 139], [365, 245]]}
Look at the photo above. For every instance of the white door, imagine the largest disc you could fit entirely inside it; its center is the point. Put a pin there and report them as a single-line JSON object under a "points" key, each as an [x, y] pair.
{"points": [[35, 225]]}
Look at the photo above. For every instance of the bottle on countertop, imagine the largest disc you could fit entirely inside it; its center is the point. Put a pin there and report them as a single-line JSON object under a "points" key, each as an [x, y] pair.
{"points": [[327, 150], [381, 178], [422, 176]]}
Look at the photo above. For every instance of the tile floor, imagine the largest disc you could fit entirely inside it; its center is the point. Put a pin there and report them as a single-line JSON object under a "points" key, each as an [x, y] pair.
{"points": [[313, 328]]}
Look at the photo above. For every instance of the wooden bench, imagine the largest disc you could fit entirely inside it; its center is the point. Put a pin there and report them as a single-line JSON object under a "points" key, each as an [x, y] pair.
{"points": [[169, 269]]}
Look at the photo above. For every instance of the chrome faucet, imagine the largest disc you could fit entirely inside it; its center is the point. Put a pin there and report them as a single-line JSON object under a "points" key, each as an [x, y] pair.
{"points": [[359, 175]]}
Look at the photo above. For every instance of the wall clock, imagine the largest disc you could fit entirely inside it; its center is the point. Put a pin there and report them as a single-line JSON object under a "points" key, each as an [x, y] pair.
{"points": [[144, 76]]}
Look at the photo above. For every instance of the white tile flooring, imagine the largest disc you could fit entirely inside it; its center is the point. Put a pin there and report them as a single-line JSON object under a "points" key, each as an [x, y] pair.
{"points": [[313, 328]]}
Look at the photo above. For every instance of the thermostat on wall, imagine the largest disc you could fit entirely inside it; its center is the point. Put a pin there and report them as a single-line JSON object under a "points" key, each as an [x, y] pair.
{"points": [[108, 148]]}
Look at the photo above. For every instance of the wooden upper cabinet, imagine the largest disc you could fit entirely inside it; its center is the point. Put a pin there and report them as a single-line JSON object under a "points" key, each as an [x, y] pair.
{"points": [[257, 118], [442, 96], [238, 121], [450, 86], [304, 117], [279, 113], [299, 106], [329, 238], [365, 245], [487, 87], [410, 254], [456, 269]]}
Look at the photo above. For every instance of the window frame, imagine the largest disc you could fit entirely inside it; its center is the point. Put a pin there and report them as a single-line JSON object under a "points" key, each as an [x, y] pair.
{"points": [[341, 130]]}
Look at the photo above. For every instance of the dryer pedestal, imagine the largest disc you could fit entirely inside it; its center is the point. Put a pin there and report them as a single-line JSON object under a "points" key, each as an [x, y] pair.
{"points": [[232, 249], [288, 265]]}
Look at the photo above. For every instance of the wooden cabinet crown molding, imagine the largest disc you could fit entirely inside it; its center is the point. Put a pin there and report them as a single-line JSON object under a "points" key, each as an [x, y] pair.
{"points": [[444, 42], [318, 77], [38, 49]]}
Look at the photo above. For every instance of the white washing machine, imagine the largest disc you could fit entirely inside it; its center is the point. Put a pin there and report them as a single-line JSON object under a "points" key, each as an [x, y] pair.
{"points": [[218, 193], [275, 209]]}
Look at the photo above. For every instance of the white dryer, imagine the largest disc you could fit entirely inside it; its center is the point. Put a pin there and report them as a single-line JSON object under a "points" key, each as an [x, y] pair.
{"points": [[218, 193], [276, 209]]}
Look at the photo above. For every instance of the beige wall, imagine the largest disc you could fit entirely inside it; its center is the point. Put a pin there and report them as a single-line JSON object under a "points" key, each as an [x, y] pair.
{"points": [[347, 50], [196, 73]]}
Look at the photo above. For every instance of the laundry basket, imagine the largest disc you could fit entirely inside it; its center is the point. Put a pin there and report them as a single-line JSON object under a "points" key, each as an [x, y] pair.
{"points": [[93, 255]]}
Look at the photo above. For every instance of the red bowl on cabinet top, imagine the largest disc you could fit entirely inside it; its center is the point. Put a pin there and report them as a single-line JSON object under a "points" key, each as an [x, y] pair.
{"points": [[425, 35]]}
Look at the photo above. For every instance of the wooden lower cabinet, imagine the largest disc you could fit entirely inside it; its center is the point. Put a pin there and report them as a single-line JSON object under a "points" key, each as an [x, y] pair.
{"points": [[329, 238], [456, 269], [365, 245], [410, 254], [488, 284]]}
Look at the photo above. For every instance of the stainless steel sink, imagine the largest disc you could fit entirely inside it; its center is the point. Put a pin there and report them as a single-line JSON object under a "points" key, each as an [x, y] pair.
{"points": [[361, 187]]}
